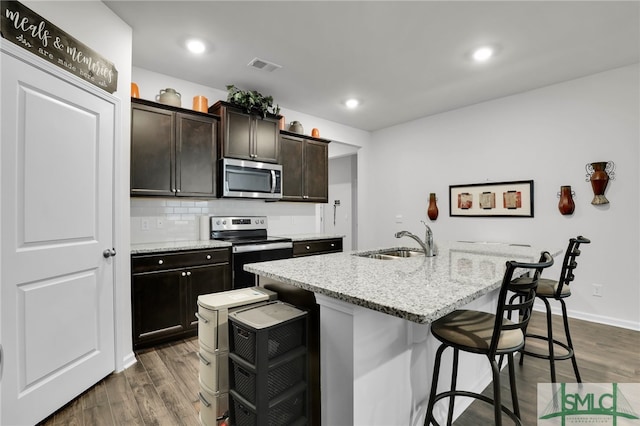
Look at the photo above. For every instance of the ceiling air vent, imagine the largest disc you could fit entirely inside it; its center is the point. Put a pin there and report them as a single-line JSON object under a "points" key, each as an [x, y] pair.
{"points": [[263, 65]]}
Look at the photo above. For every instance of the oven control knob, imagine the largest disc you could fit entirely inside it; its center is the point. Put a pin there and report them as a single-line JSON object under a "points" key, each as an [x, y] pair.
{"points": [[224, 222], [217, 222], [257, 221], [261, 221]]}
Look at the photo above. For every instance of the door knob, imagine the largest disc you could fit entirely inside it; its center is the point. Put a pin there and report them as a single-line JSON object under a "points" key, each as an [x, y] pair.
{"points": [[109, 253]]}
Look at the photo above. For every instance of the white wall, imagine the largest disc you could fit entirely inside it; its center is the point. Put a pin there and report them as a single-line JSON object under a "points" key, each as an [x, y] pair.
{"points": [[547, 135], [98, 27]]}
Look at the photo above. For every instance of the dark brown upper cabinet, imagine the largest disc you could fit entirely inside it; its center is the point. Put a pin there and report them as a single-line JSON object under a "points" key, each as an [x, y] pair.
{"points": [[247, 136], [173, 151], [305, 168]]}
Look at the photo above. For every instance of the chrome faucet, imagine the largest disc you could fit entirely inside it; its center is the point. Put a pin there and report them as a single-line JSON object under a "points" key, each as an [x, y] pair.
{"points": [[427, 244]]}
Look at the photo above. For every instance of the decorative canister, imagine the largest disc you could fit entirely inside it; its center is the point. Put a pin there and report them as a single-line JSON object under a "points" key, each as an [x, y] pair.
{"points": [[566, 204], [135, 90], [315, 133], [169, 96], [432, 211], [296, 127]]}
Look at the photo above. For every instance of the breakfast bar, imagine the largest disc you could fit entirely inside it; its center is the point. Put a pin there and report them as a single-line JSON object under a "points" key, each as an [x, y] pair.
{"points": [[375, 311]]}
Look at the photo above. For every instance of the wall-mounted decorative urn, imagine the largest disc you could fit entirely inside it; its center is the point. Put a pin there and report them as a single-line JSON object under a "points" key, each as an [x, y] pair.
{"points": [[599, 174]]}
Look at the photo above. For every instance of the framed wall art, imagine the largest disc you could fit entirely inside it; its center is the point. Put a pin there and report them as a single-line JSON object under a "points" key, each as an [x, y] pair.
{"points": [[500, 199]]}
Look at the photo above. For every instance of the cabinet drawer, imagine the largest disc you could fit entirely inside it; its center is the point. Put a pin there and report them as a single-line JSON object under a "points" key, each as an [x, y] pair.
{"points": [[310, 247], [172, 260]]}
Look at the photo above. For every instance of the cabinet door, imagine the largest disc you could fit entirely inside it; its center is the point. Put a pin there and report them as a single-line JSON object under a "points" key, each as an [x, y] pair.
{"points": [[196, 151], [204, 280], [237, 135], [316, 171], [267, 140], [152, 151], [157, 309], [291, 159]]}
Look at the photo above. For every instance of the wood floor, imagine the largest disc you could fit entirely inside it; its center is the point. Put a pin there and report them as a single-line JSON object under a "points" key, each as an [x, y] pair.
{"points": [[161, 389]]}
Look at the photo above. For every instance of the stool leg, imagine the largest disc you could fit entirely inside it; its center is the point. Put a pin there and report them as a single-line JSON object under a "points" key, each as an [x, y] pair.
{"points": [[512, 385], [565, 319], [552, 361], [497, 401], [434, 385], [454, 379]]}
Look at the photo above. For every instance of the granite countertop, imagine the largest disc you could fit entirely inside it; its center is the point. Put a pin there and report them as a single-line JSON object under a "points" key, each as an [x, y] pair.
{"points": [[418, 289], [160, 247], [308, 237]]}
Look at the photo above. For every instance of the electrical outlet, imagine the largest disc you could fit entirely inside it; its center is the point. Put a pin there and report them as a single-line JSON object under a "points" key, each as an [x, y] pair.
{"points": [[597, 290], [144, 224], [159, 223], [399, 218]]}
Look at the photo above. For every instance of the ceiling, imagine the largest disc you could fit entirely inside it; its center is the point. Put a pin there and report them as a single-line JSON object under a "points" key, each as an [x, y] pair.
{"points": [[403, 60]]}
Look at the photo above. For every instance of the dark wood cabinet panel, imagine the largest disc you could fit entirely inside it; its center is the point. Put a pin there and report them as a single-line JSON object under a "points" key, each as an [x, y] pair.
{"points": [[195, 155], [152, 152], [305, 169], [173, 152], [316, 170], [165, 290], [247, 136], [291, 158], [313, 247], [156, 315]]}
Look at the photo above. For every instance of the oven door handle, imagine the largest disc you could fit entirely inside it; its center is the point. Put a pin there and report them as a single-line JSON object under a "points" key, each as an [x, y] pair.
{"points": [[259, 247]]}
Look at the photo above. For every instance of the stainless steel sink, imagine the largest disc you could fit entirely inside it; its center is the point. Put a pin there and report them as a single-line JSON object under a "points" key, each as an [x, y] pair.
{"points": [[403, 253], [392, 254]]}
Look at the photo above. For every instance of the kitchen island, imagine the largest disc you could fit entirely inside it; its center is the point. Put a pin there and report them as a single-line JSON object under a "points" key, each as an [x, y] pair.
{"points": [[376, 348]]}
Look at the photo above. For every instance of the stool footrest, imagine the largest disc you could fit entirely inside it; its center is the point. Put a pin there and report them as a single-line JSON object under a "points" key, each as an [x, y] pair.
{"points": [[477, 396], [556, 356]]}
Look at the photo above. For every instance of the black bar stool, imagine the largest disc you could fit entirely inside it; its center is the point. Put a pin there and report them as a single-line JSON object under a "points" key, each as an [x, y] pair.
{"points": [[558, 290], [488, 334]]}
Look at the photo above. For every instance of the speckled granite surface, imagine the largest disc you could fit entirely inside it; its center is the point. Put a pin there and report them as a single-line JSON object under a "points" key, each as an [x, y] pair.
{"points": [[417, 289], [176, 246], [308, 237]]}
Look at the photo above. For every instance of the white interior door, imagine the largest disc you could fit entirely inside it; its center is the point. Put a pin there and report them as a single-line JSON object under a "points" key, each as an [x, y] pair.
{"points": [[57, 288]]}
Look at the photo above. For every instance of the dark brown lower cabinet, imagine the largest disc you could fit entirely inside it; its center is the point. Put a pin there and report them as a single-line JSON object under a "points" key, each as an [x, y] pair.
{"points": [[165, 290]]}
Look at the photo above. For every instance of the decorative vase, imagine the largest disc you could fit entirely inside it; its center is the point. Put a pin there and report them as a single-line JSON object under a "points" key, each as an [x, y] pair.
{"points": [[296, 127], [599, 174], [169, 97], [566, 204], [432, 211]]}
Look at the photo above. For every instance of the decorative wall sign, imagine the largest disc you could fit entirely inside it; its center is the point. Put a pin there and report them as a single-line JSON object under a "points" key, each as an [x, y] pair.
{"points": [[27, 29], [502, 199]]}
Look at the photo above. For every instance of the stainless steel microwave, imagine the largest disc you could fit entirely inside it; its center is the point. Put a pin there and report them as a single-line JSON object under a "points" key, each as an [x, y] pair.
{"points": [[251, 179]]}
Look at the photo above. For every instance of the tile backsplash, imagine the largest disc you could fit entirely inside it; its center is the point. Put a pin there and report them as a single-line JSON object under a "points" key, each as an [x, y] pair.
{"points": [[172, 219]]}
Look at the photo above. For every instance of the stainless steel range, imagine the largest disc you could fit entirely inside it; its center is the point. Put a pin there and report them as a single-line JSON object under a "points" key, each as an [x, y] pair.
{"points": [[250, 244]]}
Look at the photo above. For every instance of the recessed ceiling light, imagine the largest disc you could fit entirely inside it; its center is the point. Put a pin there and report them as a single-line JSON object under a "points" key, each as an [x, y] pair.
{"points": [[352, 103], [483, 53], [195, 46]]}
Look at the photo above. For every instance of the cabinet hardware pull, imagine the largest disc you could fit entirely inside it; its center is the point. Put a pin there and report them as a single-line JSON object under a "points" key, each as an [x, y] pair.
{"points": [[203, 359], [203, 400], [160, 262], [201, 318], [184, 274], [189, 273], [308, 248], [208, 257]]}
